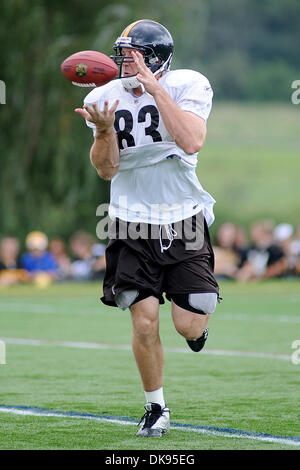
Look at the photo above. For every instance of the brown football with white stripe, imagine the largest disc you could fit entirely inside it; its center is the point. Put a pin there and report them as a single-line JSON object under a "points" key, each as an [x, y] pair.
{"points": [[89, 69]]}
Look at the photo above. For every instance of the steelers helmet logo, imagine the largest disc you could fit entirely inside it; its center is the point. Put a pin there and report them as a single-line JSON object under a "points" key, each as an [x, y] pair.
{"points": [[81, 70]]}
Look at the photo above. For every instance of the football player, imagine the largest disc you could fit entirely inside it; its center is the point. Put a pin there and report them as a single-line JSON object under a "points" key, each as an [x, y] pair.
{"points": [[148, 126]]}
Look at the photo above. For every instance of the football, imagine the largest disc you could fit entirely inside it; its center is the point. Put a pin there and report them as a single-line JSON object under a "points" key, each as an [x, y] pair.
{"points": [[89, 69]]}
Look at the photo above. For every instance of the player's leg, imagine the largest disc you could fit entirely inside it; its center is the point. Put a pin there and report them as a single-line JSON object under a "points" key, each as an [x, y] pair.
{"points": [[134, 280], [193, 289], [189, 324], [192, 325], [149, 357], [146, 343]]}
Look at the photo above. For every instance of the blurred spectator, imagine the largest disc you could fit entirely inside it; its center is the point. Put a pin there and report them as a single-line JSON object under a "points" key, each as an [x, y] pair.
{"points": [[9, 253], [226, 258], [296, 249], [58, 249], [98, 251], [265, 259], [38, 260], [10, 266], [241, 244], [89, 260], [283, 236], [296, 246]]}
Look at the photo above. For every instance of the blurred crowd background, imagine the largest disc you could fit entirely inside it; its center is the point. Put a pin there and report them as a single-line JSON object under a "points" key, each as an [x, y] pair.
{"points": [[44, 261], [248, 49], [267, 251]]}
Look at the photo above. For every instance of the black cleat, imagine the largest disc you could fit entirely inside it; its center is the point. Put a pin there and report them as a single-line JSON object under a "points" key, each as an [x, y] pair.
{"points": [[155, 422], [197, 344]]}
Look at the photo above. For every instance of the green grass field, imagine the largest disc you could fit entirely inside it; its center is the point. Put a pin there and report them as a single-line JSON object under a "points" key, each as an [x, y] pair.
{"points": [[244, 380]]}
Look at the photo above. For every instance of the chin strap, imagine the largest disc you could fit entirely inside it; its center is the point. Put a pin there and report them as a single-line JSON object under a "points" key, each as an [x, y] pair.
{"points": [[157, 68], [132, 82]]}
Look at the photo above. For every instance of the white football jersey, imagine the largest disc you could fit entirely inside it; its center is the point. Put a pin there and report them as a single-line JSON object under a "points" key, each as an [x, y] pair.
{"points": [[156, 182]]}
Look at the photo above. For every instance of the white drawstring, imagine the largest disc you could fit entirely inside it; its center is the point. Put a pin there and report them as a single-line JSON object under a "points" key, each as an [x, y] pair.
{"points": [[171, 234]]}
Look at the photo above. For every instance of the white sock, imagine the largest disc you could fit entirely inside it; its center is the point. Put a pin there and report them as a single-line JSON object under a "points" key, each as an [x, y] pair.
{"points": [[156, 396]]}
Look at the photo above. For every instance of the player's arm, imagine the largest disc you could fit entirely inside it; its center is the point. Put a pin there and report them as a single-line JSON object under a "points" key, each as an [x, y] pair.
{"points": [[104, 153], [187, 129]]}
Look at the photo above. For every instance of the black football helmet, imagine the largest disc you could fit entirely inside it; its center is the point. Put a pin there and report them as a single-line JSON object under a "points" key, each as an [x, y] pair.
{"points": [[150, 37]]}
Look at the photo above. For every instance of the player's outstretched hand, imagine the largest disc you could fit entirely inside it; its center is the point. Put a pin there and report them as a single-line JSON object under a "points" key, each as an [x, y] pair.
{"points": [[103, 120], [145, 76]]}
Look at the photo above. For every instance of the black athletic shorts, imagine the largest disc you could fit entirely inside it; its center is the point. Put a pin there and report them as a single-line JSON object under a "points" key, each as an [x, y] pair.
{"points": [[135, 259]]}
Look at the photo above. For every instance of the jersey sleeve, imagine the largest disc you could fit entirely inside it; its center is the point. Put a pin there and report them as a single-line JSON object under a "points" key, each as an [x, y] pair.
{"points": [[193, 92]]}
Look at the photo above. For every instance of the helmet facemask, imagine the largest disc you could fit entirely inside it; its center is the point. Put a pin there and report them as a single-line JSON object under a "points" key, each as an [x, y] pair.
{"points": [[154, 63]]}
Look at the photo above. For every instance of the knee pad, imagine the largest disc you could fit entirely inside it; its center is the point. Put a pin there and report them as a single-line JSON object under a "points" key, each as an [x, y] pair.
{"points": [[203, 303], [126, 298]]}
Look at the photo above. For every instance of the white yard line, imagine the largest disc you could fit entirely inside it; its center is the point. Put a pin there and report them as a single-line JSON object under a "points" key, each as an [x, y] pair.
{"points": [[87, 345], [220, 432], [68, 309]]}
